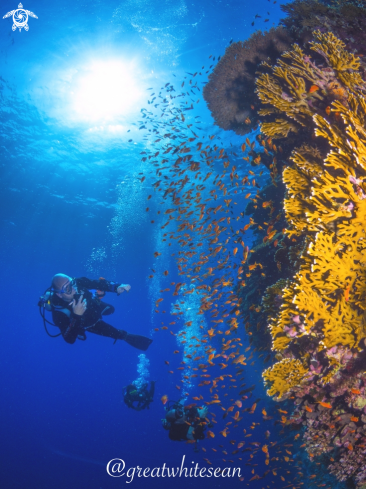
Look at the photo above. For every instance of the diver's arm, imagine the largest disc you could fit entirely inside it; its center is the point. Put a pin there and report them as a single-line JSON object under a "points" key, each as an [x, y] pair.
{"points": [[101, 284], [69, 326]]}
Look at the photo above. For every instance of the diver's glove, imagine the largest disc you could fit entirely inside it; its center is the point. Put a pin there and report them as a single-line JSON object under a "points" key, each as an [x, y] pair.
{"points": [[122, 288], [202, 412], [119, 288]]}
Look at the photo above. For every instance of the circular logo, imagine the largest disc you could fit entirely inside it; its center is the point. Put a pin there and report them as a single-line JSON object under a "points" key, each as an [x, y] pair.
{"points": [[20, 18]]}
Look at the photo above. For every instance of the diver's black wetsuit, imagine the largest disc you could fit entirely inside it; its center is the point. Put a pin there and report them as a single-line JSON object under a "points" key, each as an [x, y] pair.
{"points": [[178, 431], [72, 325]]}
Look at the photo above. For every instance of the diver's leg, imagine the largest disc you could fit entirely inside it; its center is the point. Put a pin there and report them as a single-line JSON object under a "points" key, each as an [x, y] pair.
{"points": [[106, 309], [104, 329]]}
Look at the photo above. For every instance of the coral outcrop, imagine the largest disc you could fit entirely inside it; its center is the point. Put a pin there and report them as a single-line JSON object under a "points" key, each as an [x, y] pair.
{"points": [[230, 91]]}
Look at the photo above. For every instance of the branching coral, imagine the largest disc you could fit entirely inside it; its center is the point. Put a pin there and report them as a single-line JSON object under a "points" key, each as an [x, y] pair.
{"points": [[321, 323], [272, 297], [345, 64], [331, 279], [298, 88], [283, 376]]}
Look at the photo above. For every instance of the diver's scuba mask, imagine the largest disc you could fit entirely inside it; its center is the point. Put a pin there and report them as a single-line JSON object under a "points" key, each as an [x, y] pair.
{"points": [[68, 288]]}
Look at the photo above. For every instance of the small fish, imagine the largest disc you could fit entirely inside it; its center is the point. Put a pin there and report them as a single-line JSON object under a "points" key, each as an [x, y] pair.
{"points": [[355, 391], [164, 399], [267, 204], [313, 88], [325, 404], [252, 409]]}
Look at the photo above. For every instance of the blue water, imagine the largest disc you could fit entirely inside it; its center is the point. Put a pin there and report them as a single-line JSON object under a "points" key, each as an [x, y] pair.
{"points": [[72, 202]]}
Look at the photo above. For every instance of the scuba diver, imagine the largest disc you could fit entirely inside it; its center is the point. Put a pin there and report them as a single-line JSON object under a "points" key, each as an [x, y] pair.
{"points": [[75, 309], [185, 422], [139, 398]]}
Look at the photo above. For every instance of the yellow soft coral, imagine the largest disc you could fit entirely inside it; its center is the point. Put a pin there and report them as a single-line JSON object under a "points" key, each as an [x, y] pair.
{"points": [[344, 63], [279, 338], [283, 376], [296, 82], [326, 202]]}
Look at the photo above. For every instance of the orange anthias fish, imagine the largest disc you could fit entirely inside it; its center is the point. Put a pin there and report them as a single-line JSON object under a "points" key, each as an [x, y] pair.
{"points": [[164, 399], [308, 409], [252, 409], [326, 405], [313, 88], [355, 391]]}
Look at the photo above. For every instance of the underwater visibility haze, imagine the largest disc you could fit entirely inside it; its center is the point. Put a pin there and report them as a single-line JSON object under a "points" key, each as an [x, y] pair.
{"points": [[203, 164]]}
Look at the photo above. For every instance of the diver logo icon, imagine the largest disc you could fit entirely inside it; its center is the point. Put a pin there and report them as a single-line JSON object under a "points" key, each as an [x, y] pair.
{"points": [[20, 18]]}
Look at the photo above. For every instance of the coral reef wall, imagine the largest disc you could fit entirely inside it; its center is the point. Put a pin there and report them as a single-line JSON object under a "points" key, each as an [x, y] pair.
{"points": [[312, 101]]}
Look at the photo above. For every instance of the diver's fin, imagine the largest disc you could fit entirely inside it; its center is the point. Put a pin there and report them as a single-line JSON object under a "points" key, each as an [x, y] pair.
{"points": [[138, 341]]}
